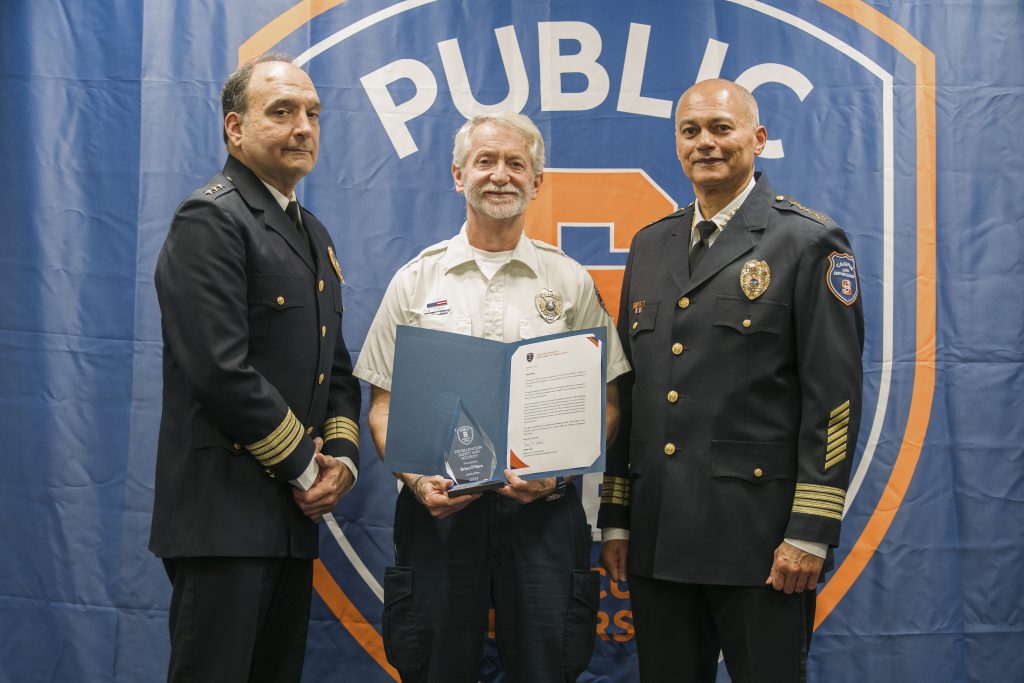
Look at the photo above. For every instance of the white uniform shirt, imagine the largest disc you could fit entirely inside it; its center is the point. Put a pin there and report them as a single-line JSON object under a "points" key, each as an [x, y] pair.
{"points": [[445, 289]]}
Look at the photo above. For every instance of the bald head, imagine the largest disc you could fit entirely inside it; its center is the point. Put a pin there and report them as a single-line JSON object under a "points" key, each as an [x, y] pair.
{"points": [[717, 139], [725, 92]]}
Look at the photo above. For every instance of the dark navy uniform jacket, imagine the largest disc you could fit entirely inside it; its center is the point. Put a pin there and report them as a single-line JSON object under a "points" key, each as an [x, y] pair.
{"points": [[740, 418], [254, 367]]}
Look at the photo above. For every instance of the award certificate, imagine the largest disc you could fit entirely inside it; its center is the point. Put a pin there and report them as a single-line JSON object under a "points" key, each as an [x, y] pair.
{"points": [[461, 403], [556, 405]]}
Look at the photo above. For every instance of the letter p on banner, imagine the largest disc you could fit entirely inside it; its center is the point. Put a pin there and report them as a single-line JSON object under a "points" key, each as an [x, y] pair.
{"points": [[593, 214]]}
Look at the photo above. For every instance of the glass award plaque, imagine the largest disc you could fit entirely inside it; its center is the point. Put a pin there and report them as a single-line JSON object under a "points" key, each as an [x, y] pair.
{"points": [[470, 459]]}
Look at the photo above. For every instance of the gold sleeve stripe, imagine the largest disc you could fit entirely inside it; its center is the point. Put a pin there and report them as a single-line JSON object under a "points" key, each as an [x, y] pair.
{"points": [[271, 460], [817, 499], [341, 428], [354, 438], [818, 490], [820, 500], [338, 431], [341, 422], [810, 511], [283, 444], [339, 434], [835, 461], [274, 437], [615, 490], [834, 420], [836, 439], [836, 449], [838, 409], [839, 426], [803, 487], [836, 452]]}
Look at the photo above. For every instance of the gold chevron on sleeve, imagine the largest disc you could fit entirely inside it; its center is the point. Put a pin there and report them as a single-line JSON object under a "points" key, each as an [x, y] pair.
{"points": [[816, 499], [341, 428], [280, 443], [837, 413], [615, 490], [838, 426]]}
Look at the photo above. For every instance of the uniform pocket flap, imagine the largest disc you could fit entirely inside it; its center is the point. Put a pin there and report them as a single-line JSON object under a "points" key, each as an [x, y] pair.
{"points": [[398, 623], [753, 461], [749, 317], [586, 587], [397, 584], [206, 435], [642, 316], [274, 291]]}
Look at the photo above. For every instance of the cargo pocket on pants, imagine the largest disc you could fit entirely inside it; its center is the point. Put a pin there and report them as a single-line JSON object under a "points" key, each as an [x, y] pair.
{"points": [[398, 626], [580, 622]]}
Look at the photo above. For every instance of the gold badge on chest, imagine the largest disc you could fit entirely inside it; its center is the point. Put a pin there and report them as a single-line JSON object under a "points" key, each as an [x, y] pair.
{"points": [[334, 262], [549, 304], [755, 278]]}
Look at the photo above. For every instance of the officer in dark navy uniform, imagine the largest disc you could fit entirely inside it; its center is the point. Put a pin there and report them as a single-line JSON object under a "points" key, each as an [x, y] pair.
{"points": [[259, 433], [725, 489]]}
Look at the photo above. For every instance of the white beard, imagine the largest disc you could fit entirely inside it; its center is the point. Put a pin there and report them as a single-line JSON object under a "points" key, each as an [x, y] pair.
{"points": [[496, 209]]}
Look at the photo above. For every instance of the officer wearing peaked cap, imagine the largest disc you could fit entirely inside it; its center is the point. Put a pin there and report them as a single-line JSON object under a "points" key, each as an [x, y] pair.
{"points": [[259, 432], [725, 488]]}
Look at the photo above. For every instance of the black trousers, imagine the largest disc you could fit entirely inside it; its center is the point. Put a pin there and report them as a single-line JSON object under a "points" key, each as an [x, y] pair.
{"points": [[763, 634], [531, 562], [238, 619]]}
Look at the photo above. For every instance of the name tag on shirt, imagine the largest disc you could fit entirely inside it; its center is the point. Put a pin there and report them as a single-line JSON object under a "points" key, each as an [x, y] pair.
{"points": [[439, 307]]}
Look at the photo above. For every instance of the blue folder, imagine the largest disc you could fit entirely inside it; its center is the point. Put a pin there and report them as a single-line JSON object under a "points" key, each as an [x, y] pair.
{"points": [[433, 371]]}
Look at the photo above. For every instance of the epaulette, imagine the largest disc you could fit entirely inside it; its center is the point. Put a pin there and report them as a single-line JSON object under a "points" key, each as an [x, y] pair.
{"points": [[674, 214], [217, 187], [547, 246], [432, 249], [790, 204]]}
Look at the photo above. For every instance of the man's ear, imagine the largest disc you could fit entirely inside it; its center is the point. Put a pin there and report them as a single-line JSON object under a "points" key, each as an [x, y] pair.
{"points": [[761, 133], [538, 179], [457, 176], [233, 127]]}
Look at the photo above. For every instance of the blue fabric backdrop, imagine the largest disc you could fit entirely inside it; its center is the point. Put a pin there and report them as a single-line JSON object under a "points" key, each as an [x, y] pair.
{"points": [[900, 119]]}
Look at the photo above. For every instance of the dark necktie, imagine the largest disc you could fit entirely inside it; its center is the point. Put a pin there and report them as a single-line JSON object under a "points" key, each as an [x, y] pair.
{"points": [[292, 211], [705, 229]]}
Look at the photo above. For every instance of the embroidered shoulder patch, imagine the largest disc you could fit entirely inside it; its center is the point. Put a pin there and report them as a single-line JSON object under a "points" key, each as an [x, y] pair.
{"points": [[842, 277]]}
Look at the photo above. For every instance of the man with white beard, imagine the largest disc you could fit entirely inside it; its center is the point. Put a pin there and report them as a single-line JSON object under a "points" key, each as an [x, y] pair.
{"points": [[523, 548]]}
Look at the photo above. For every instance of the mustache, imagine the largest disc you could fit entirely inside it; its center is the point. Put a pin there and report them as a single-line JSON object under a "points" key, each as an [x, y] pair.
{"points": [[507, 187]]}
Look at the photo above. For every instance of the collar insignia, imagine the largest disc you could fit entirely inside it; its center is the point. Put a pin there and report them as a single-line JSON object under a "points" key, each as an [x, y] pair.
{"points": [[334, 262]]}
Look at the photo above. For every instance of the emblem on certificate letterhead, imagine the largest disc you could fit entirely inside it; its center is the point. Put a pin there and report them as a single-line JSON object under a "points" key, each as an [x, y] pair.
{"points": [[334, 262], [549, 304], [755, 278]]}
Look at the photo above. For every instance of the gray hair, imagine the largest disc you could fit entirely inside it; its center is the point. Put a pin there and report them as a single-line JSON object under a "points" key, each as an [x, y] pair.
{"points": [[506, 119], [234, 96]]}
